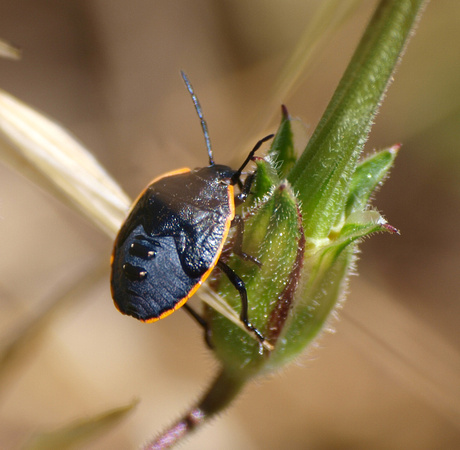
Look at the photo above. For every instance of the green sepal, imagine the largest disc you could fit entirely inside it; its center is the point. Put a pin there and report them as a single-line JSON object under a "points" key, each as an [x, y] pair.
{"points": [[265, 181], [322, 284], [361, 224], [272, 234], [282, 150], [368, 175]]}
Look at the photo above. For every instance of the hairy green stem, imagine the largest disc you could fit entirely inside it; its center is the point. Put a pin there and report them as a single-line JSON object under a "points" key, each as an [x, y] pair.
{"points": [[323, 170]]}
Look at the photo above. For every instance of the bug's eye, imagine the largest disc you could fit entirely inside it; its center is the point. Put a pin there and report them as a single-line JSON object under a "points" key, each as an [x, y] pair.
{"points": [[134, 273], [141, 250]]}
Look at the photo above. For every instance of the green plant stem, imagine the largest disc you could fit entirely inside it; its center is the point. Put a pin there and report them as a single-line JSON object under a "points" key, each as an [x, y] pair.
{"points": [[324, 169]]}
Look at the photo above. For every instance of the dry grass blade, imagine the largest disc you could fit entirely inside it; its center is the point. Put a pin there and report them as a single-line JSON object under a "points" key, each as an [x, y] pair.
{"points": [[54, 159], [9, 51]]}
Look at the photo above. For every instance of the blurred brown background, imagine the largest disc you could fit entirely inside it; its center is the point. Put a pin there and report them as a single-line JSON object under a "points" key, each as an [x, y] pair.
{"points": [[109, 71]]}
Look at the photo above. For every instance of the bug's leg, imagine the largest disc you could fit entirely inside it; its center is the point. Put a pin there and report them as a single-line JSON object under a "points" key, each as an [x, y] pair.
{"points": [[202, 323], [245, 188], [241, 288], [238, 221], [237, 174], [238, 245]]}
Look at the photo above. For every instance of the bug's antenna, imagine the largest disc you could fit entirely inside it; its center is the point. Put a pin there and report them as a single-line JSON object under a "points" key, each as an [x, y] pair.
{"points": [[204, 125]]}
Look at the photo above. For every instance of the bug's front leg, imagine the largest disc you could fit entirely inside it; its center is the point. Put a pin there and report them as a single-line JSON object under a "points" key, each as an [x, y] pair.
{"points": [[245, 189]]}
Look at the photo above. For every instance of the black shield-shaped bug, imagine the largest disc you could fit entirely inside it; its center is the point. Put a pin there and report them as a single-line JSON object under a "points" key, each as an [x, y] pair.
{"points": [[174, 235]]}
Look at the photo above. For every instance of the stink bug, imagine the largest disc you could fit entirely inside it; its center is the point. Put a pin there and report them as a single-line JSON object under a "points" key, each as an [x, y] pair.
{"points": [[174, 235]]}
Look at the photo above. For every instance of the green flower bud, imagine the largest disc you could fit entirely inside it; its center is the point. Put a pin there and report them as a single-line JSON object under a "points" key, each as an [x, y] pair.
{"points": [[302, 274]]}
